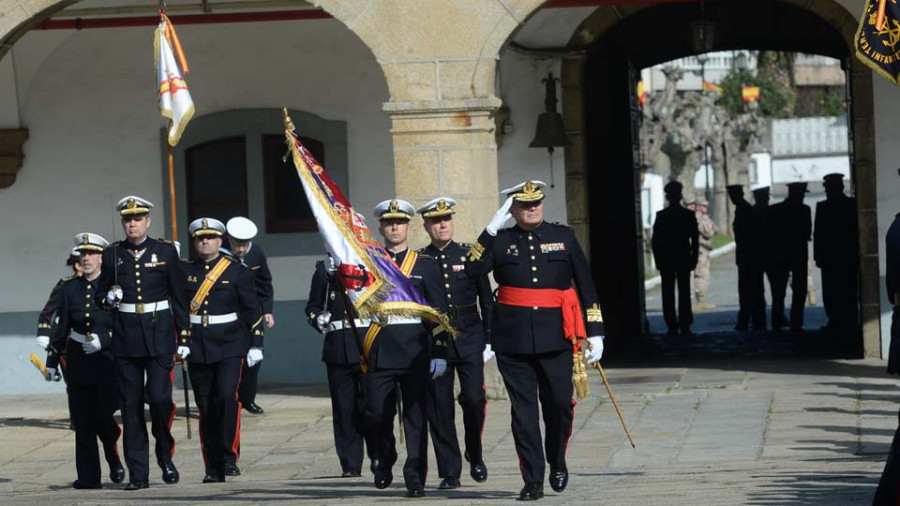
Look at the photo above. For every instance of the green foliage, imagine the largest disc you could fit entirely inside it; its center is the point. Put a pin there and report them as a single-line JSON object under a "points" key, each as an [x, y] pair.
{"points": [[773, 98], [820, 102]]}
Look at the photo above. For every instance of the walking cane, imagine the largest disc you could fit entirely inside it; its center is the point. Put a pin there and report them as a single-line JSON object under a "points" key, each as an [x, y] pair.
{"points": [[613, 397], [187, 403]]}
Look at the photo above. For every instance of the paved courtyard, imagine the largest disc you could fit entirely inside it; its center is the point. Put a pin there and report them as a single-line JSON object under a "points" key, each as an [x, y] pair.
{"points": [[727, 431]]}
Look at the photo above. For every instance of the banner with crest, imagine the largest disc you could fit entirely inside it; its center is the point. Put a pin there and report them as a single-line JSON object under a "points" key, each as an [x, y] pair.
{"points": [[375, 285], [878, 38]]}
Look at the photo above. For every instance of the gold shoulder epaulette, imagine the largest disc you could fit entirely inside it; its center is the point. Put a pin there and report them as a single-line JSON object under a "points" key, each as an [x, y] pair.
{"points": [[426, 256], [67, 278], [465, 245], [160, 239], [564, 225], [421, 250]]}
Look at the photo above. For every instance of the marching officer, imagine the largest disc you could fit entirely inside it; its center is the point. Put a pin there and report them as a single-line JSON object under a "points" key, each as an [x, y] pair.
{"points": [[84, 332], [226, 326], [241, 232], [465, 354], [327, 313], [791, 222], [47, 316], [749, 254], [836, 252], [402, 354], [538, 325], [676, 248], [143, 283]]}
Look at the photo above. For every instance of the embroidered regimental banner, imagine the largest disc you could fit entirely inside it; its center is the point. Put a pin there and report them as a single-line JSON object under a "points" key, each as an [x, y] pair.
{"points": [[878, 36]]}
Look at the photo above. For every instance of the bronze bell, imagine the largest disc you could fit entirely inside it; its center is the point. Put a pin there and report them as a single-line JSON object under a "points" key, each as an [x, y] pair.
{"points": [[551, 132]]}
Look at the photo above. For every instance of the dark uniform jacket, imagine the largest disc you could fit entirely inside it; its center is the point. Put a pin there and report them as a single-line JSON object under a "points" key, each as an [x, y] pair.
{"points": [[80, 312], [892, 278], [835, 240], [233, 292], [676, 239], [548, 257], [159, 272], [461, 291], [791, 227], [409, 346], [340, 346], [748, 236], [255, 260], [46, 317]]}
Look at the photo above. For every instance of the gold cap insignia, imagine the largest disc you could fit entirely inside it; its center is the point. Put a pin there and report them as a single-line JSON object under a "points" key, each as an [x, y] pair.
{"points": [[529, 188], [394, 207], [84, 239], [442, 205], [204, 223], [130, 204]]}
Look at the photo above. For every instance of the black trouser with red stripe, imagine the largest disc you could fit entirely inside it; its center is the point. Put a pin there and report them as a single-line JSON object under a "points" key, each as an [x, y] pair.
{"points": [[157, 392], [381, 405], [442, 413], [550, 374], [215, 392], [348, 408]]}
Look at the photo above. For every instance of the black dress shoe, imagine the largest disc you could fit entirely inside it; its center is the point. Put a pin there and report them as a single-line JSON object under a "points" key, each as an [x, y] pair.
{"points": [[479, 472], [85, 485], [559, 478], [214, 476], [137, 485], [254, 408], [232, 469], [532, 491], [170, 473], [351, 474], [383, 477], [117, 473], [449, 483], [416, 490]]}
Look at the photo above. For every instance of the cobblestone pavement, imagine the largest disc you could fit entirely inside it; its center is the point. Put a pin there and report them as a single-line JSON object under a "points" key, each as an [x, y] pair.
{"points": [[719, 432]]}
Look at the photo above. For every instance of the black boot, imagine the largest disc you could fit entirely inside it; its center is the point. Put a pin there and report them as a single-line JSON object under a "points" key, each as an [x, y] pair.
{"points": [[559, 478], [532, 491], [170, 473]]}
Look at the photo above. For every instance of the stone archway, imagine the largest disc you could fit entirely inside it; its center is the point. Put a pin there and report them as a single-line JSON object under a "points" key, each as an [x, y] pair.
{"points": [[604, 19]]}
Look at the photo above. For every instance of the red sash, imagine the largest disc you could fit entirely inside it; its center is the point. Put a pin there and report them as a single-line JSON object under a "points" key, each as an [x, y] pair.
{"points": [[566, 300]]}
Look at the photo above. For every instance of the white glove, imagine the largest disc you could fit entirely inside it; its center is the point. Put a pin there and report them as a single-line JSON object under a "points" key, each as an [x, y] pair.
{"points": [[114, 296], [595, 350], [42, 342], [92, 346], [329, 264], [254, 356], [177, 247], [487, 354], [438, 367], [54, 374], [322, 321], [500, 218], [183, 352]]}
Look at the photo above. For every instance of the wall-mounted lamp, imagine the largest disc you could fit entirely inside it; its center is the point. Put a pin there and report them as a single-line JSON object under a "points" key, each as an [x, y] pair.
{"points": [[550, 132]]}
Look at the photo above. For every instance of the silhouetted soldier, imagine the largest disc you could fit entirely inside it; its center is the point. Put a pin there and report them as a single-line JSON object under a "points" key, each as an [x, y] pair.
{"points": [[749, 255], [835, 252], [675, 248], [888, 491], [791, 225], [761, 196]]}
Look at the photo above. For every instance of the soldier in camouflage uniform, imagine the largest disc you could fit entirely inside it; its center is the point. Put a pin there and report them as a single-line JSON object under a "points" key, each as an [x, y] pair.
{"points": [[707, 229]]}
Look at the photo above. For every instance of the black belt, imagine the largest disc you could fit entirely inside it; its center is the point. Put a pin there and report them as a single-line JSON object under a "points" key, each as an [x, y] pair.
{"points": [[457, 311]]}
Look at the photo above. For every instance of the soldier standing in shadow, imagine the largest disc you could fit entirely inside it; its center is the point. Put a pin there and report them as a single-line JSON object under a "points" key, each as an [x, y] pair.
{"points": [[749, 257], [835, 251], [791, 226], [888, 492], [675, 248]]}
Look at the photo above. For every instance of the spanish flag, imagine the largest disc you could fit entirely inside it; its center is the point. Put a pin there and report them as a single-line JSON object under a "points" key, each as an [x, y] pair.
{"points": [[878, 38], [708, 86], [174, 99], [641, 93], [750, 93]]}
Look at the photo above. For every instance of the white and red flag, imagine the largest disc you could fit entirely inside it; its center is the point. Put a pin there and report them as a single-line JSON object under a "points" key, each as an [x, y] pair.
{"points": [[175, 101]]}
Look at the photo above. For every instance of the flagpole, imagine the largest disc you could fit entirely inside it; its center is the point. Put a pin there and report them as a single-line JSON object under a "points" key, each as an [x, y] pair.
{"points": [[174, 217]]}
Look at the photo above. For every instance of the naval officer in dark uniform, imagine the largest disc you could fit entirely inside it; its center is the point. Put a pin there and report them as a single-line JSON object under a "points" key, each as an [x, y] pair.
{"points": [[538, 325], [327, 313], [405, 353], [465, 354], [241, 232], [143, 284], [83, 335], [791, 227], [226, 325], [888, 491]]}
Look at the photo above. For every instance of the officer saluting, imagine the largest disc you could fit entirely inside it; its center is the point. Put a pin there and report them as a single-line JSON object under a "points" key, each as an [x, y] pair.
{"points": [[465, 353], [537, 322], [402, 353], [327, 314], [143, 281], [226, 325], [84, 331]]}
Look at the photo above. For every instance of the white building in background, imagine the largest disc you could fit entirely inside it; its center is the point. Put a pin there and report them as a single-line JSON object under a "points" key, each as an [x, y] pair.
{"points": [[716, 66], [805, 149]]}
